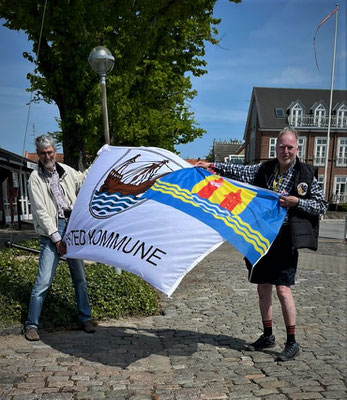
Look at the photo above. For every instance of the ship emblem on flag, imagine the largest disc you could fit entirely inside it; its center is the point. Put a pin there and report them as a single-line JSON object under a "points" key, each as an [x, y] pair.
{"points": [[122, 187], [247, 216]]}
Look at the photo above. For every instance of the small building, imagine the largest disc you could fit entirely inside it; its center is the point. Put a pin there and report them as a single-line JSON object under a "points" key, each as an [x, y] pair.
{"points": [[306, 110], [14, 174], [232, 151]]}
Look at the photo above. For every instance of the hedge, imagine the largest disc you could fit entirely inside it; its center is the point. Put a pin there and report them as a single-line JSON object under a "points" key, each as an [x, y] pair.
{"points": [[111, 295]]}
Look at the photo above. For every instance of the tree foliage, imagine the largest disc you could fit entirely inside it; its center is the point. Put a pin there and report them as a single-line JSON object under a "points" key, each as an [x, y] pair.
{"points": [[157, 45]]}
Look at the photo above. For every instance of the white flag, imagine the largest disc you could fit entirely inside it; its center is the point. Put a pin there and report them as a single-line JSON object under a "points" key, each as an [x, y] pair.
{"points": [[113, 224]]}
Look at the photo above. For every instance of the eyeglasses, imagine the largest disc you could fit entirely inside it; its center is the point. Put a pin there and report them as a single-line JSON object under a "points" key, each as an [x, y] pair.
{"points": [[46, 153]]}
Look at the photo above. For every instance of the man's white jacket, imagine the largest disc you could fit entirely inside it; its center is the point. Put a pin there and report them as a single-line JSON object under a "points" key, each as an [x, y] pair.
{"points": [[44, 208]]}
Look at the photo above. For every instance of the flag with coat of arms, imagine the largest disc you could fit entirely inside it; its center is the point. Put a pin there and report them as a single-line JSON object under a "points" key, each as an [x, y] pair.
{"points": [[248, 217], [147, 211]]}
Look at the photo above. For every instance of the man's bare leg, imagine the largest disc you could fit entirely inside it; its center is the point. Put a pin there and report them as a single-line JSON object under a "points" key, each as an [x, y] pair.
{"points": [[286, 299]]}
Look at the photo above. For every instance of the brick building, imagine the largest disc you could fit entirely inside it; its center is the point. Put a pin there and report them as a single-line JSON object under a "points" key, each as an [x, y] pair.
{"points": [[307, 110]]}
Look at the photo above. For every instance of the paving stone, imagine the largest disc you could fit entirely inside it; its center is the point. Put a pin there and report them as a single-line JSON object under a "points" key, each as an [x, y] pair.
{"points": [[26, 397], [57, 396], [305, 396], [196, 350], [335, 395]]}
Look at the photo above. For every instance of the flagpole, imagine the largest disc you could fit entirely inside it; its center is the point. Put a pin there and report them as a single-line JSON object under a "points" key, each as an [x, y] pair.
{"points": [[330, 108]]}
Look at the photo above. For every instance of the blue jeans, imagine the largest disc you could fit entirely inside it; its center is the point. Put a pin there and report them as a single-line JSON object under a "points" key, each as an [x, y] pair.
{"points": [[48, 263]]}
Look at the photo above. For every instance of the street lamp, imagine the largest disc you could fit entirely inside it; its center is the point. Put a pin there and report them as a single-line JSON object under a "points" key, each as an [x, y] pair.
{"points": [[102, 61]]}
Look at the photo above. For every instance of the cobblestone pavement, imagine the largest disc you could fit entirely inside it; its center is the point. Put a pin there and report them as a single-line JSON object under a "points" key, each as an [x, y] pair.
{"points": [[196, 349]]}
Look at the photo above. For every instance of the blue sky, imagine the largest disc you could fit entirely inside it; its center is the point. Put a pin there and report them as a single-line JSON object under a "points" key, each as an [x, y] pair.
{"points": [[262, 43]]}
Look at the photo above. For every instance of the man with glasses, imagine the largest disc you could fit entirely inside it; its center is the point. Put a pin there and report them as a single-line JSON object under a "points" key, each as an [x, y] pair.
{"points": [[52, 192]]}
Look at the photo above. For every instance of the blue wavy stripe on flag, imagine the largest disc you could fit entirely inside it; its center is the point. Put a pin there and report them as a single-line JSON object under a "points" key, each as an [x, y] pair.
{"points": [[251, 227], [104, 203]]}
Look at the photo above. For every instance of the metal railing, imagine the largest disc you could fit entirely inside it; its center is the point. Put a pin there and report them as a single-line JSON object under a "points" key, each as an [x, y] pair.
{"points": [[310, 121], [339, 198]]}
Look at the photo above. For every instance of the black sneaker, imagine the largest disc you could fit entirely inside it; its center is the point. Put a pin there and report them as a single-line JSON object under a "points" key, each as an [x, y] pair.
{"points": [[88, 326], [289, 352], [264, 342]]}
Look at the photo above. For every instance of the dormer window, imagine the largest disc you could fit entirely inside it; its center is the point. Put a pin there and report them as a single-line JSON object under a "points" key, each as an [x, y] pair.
{"points": [[341, 116], [296, 114], [279, 112], [320, 115]]}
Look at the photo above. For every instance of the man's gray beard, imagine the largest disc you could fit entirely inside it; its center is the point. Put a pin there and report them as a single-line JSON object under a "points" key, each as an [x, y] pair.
{"points": [[49, 165]]}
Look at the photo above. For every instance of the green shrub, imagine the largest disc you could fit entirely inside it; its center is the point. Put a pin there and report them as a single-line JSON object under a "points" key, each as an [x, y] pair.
{"points": [[110, 295], [337, 207]]}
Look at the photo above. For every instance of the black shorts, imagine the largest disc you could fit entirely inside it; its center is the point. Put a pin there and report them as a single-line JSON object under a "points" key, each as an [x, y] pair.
{"points": [[278, 266]]}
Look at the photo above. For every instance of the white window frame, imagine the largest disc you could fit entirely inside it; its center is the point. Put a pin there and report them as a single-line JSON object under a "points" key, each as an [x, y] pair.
{"points": [[341, 116], [20, 180], [320, 114], [272, 147], [341, 152], [320, 181], [320, 150], [296, 115], [340, 182], [24, 198], [235, 158], [301, 147]]}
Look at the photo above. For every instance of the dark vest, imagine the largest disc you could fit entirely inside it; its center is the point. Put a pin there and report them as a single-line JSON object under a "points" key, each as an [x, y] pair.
{"points": [[304, 227]]}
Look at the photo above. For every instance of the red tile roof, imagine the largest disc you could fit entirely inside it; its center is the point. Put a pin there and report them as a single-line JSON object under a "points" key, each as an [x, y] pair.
{"points": [[34, 157], [193, 161]]}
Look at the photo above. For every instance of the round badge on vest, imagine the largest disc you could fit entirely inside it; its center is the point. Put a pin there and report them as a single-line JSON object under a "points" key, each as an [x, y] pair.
{"points": [[302, 188]]}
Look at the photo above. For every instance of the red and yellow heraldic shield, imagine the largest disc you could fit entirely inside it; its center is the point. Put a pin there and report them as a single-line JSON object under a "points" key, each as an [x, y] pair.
{"points": [[219, 191]]}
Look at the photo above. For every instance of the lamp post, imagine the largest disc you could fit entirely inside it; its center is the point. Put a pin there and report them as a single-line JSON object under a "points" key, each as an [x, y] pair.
{"points": [[102, 61]]}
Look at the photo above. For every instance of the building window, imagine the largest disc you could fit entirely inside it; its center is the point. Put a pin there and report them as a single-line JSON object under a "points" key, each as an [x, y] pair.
{"points": [[320, 181], [301, 148], [272, 147], [296, 115], [341, 156], [341, 116], [279, 112], [320, 151], [251, 154], [340, 189], [320, 116], [235, 159]]}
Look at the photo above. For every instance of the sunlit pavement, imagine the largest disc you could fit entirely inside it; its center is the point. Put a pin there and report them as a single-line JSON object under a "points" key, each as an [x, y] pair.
{"points": [[196, 349]]}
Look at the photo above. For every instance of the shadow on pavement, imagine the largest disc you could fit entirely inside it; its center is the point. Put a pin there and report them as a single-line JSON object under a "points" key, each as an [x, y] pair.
{"points": [[120, 346]]}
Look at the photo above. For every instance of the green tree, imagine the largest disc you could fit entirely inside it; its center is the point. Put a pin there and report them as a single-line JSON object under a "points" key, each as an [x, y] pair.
{"points": [[210, 155], [157, 45]]}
